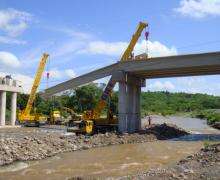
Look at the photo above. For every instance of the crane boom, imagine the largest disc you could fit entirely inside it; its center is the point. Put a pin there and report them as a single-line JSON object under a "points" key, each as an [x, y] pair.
{"points": [[35, 85], [110, 86]]}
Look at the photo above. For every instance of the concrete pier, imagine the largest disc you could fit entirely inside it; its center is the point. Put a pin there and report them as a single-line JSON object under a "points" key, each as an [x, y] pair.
{"points": [[129, 101], [13, 108], [2, 107], [7, 84]]}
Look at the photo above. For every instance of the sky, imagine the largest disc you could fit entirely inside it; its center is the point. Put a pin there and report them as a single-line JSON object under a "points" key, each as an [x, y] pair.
{"points": [[81, 36]]}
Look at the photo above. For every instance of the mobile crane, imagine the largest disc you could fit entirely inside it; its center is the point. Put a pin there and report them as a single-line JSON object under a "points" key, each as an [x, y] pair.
{"points": [[91, 119], [24, 116]]}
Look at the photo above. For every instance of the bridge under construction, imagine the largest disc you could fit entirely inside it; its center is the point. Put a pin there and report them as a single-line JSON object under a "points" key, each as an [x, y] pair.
{"points": [[131, 76]]}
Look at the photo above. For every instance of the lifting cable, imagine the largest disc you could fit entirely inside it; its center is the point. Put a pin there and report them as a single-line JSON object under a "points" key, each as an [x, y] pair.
{"points": [[48, 72]]}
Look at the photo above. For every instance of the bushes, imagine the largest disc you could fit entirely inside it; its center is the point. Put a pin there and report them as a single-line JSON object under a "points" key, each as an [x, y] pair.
{"points": [[212, 116]]}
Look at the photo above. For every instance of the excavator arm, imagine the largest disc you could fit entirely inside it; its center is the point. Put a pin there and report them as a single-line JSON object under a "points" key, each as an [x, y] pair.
{"points": [[110, 86]]}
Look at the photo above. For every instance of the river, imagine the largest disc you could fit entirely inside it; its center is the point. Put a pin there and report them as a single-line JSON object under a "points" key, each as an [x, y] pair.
{"points": [[117, 160]]}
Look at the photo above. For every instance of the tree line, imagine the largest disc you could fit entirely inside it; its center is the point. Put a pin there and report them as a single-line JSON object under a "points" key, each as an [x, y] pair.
{"points": [[86, 97]]}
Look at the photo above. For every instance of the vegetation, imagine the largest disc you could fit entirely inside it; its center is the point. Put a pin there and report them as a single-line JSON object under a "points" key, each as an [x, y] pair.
{"points": [[168, 103], [209, 142], [212, 115], [79, 99], [165, 103]]}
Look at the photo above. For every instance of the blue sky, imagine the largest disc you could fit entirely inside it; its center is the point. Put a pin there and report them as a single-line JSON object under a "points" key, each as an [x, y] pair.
{"points": [[81, 36]]}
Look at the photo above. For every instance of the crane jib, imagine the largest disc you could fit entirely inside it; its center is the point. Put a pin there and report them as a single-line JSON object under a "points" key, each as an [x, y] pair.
{"points": [[108, 90]]}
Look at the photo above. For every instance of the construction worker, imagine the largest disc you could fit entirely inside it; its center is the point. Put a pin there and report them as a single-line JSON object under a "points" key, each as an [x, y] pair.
{"points": [[149, 118]]}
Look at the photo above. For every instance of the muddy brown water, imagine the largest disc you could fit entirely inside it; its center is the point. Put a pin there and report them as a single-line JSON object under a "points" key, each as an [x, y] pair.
{"points": [[115, 160]]}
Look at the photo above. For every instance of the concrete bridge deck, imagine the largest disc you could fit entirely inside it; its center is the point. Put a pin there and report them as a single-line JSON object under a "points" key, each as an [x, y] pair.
{"points": [[170, 66]]}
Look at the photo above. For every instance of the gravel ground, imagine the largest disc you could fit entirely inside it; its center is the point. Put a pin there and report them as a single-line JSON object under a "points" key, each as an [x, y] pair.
{"points": [[23, 144]]}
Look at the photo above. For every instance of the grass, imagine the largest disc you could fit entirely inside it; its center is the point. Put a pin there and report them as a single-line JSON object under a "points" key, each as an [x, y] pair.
{"points": [[212, 116], [209, 142]]}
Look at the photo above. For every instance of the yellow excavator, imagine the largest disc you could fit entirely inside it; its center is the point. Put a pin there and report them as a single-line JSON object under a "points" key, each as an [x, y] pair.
{"points": [[73, 117], [25, 117], [92, 122]]}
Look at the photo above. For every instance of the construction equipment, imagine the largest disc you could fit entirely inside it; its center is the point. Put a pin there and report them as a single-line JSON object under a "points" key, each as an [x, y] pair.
{"points": [[24, 116], [92, 118], [73, 116], [55, 118]]}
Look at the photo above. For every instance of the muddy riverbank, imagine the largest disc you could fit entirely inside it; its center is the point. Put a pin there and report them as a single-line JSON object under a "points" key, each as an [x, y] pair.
{"points": [[22, 144]]}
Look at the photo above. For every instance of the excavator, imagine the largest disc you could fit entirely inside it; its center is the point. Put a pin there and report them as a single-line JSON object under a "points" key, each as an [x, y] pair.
{"points": [[74, 117], [92, 122], [25, 117]]}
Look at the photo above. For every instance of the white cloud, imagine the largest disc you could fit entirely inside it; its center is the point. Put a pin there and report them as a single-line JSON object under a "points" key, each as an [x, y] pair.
{"points": [[104, 48], [61, 74], [8, 60], [70, 73], [14, 22], [9, 40], [156, 48], [158, 85], [190, 81], [199, 8]]}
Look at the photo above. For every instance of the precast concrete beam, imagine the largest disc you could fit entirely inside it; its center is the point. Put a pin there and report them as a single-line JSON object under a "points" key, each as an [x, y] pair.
{"points": [[81, 80], [170, 66]]}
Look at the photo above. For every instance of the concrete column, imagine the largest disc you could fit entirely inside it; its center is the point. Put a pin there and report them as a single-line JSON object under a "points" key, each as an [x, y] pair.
{"points": [[134, 106], [131, 108], [122, 107], [13, 108], [129, 101], [138, 108], [2, 107]]}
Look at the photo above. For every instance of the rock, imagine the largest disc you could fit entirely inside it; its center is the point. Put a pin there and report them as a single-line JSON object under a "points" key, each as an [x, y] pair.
{"points": [[217, 149], [216, 125], [86, 140], [85, 147], [26, 138], [188, 171]]}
